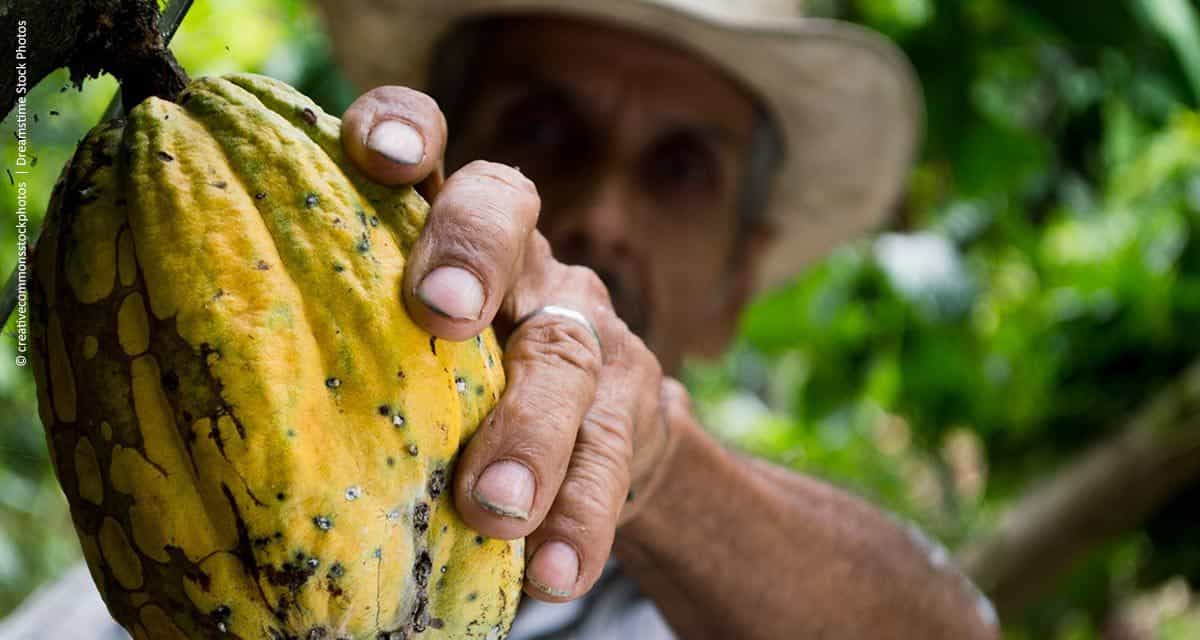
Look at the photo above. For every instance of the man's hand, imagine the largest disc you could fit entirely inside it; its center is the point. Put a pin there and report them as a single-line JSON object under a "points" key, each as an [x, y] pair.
{"points": [[582, 420]]}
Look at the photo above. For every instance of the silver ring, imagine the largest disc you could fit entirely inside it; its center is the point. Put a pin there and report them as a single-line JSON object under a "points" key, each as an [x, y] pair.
{"points": [[564, 312]]}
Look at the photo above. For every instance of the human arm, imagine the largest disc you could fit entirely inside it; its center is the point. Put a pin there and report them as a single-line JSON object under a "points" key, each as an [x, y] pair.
{"points": [[727, 546]]}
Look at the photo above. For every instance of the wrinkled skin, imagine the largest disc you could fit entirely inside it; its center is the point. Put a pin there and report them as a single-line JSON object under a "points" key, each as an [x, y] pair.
{"points": [[631, 157]]}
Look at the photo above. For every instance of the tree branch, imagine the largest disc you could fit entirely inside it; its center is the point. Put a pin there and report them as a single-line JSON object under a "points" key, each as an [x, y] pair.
{"points": [[52, 28], [90, 37], [1111, 488]]}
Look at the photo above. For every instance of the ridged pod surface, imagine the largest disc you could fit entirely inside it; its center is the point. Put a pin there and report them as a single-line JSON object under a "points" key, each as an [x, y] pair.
{"points": [[254, 438]]}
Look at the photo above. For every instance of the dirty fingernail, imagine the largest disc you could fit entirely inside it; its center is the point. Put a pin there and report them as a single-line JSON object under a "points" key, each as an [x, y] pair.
{"points": [[555, 569], [396, 141], [506, 488], [452, 292]]}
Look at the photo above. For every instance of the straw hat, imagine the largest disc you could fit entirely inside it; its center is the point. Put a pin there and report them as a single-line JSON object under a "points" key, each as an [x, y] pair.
{"points": [[846, 99]]}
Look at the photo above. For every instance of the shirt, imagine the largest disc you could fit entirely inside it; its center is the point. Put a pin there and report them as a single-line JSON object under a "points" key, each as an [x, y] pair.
{"points": [[613, 610]]}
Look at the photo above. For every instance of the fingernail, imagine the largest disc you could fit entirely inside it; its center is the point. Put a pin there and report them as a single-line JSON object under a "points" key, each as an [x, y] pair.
{"points": [[506, 488], [452, 292], [555, 569], [397, 142]]}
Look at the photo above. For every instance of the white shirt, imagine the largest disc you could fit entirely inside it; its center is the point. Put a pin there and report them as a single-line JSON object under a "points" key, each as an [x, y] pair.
{"points": [[612, 610]]}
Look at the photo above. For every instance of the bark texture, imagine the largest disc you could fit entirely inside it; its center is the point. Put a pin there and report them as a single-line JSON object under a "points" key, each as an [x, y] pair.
{"points": [[89, 37]]}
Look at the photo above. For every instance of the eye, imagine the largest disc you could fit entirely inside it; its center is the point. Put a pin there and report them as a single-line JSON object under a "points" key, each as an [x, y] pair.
{"points": [[539, 129], [682, 165]]}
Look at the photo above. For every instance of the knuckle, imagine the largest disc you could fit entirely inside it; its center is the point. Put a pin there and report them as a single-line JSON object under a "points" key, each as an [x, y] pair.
{"points": [[608, 429], [537, 411], [555, 343], [595, 487], [586, 281], [506, 178], [474, 243]]}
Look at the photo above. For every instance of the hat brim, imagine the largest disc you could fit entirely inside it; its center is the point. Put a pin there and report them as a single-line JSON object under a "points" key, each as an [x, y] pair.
{"points": [[846, 99]]}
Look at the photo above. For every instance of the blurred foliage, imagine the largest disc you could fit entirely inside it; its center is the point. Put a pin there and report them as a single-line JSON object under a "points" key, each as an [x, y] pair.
{"points": [[1041, 280]]}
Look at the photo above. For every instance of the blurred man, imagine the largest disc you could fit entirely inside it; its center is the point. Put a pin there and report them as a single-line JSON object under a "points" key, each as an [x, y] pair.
{"points": [[686, 153]]}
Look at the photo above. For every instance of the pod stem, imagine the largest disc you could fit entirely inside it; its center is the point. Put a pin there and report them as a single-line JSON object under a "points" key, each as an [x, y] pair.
{"points": [[126, 42]]}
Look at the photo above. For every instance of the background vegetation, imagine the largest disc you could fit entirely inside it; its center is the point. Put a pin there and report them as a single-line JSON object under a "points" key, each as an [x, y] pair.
{"points": [[1040, 285]]}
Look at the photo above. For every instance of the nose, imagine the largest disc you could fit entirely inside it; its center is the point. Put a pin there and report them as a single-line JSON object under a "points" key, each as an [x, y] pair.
{"points": [[595, 229]]}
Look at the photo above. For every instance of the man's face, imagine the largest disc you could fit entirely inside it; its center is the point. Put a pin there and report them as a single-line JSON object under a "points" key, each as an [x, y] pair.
{"points": [[638, 152]]}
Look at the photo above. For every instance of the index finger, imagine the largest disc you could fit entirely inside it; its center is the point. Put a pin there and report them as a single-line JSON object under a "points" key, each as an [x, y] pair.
{"points": [[395, 135]]}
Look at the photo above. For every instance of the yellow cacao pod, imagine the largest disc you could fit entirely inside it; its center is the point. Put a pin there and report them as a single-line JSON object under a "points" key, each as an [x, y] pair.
{"points": [[254, 438]]}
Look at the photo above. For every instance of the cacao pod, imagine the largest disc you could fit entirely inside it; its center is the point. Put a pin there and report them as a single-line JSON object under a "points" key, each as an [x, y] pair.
{"points": [[254, 438]]}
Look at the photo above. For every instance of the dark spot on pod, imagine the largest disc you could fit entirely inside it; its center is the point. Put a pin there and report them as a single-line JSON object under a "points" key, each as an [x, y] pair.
{"points": [[460, 384], [364, 244], [437, 482], [262, 265], [262, 542], [433, 344], [391, 462], [207, 350], [444, 528], [338, 268], [377, 553], [333, 383], [278, 535], [436, 623], [421, 517], [374, 221], [291, 433], [413, 450], [362, 216], [281, 496], [317, 633], [323, 523], [311, 200], [444, 569], [471, 597], [478, 539], [220, 184], [420, 616], [164, 156], [170, 381], [309, 116], [336, 570], [400, 374], [479, 390], [312, 563], [385, 410], [422, 568], [260, 195], [290, 575], [491, 361]]}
